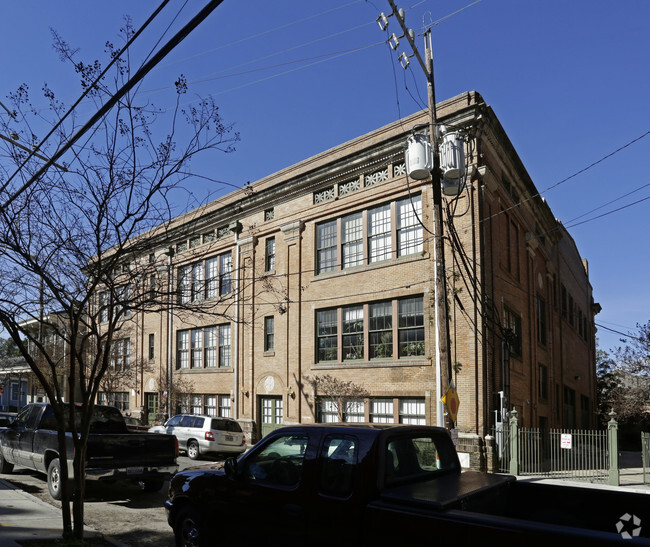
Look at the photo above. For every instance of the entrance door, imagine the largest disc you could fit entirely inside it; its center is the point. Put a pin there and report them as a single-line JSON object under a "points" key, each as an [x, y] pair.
{"points": [[151, 406], [271, 411]]}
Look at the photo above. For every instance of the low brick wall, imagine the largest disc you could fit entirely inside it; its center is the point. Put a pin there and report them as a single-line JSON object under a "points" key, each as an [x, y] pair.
{"points": [[472, 451]]}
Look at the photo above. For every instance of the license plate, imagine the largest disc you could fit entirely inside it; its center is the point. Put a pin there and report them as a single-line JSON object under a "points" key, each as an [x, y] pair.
{"points": [[134, 470], [229, 438]]}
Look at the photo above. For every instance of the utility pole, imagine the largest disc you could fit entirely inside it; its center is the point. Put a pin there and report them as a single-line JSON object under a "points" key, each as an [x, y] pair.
{"points": [[440, 278]]}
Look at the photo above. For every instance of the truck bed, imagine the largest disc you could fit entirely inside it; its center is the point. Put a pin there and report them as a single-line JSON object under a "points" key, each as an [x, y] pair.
{"points": [[495, 508]]}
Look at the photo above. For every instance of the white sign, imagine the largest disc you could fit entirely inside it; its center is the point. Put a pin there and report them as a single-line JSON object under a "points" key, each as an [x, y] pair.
{"points": [[566, 441]]}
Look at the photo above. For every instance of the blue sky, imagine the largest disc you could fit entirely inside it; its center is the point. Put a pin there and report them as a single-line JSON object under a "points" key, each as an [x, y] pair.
{"points": [[568, 80]]}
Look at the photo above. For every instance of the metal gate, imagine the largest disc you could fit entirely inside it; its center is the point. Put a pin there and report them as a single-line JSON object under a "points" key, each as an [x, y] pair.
{"points": [[645, 456]]}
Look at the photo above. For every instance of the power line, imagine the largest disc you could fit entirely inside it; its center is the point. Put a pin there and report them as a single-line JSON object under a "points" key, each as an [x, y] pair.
{"points": [[113, 100], [83, 95]]}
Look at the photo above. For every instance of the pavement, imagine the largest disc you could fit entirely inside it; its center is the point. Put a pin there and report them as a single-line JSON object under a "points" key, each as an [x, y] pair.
{"points": [[24, 517]]}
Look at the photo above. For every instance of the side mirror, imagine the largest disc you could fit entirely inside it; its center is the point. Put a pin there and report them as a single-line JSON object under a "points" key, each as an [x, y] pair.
{"points": [[230, 467]]}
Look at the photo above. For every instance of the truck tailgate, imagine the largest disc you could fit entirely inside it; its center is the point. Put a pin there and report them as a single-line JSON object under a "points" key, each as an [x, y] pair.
{"points": [[130, 449]]}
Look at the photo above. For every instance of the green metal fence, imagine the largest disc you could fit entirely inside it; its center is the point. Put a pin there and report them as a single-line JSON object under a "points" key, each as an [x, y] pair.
{"points": [[585, 455]]}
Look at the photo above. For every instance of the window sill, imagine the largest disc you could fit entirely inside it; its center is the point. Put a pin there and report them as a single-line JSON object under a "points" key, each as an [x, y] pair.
{"points": [[269, 353], [204, 369], [417, 362]]}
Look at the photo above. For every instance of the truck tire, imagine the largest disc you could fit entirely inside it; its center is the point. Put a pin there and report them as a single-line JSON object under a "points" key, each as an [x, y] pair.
{"points": [[54, 482], [193, 450], [188, 528], [5, 466]]}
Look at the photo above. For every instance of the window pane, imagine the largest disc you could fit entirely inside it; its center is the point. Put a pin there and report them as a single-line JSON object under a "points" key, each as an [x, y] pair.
{"points": [[352, 240], [381, 330], [329, 412], [409, 229], [183, 349], [210, 346], [381, 411], [354, 411], [270, 254], [326, 247], [269, 334], [225, 273], [211, 278], [411, 327], [224, 345], [327, 335], [379, 240], [197, 348], [353, 333]]}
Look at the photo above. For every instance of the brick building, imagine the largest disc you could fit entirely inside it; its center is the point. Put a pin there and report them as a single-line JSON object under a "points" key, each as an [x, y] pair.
{"points": [[326, 268]]}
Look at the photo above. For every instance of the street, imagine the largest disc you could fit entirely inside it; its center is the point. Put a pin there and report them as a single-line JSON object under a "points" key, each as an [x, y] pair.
{"points": [[120, 510]]}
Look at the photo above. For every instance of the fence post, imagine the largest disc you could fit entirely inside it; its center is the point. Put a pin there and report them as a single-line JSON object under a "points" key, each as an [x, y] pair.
{"points": [[514, 443], [612, 447]]}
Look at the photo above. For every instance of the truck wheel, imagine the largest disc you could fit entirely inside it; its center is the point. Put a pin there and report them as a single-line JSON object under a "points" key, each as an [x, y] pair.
{"points": [[188, 528], [193, 450], [5, 466], [54, 483], [151, 485]]}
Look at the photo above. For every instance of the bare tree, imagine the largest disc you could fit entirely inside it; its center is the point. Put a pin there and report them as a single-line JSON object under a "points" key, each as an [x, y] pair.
{"points": [[77, 244], [338, 396]]}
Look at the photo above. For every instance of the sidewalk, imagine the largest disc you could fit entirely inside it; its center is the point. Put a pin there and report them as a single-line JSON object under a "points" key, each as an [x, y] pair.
{"points": [[25, 517]]}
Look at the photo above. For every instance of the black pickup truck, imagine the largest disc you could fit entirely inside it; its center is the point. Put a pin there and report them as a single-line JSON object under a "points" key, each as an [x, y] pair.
{"points": [[113, 452], [387, 485]]}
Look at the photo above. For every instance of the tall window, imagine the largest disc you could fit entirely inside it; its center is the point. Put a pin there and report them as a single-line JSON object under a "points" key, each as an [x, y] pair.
{"points": [[329, 411], [210, 405], [205, 347], [225, 273], [326, 327], [541, 320], [352, 240], [512, 327], [409, 229], [152, 346], [380, 330], [121, 354], [197, 348], [197, 404], [185, 284], [183, 349], [224, 346], [326, 247], [411, 327], [379, 234], [352, 333], [543, 382], [269, 333], [269, 254], [225, 406], [210, 334]]}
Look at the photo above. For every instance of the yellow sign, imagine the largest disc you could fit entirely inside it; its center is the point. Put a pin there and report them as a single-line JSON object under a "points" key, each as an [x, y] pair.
{"points": [[452, 402]]}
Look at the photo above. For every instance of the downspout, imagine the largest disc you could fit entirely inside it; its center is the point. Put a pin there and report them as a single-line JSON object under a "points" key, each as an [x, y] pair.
{"points": [[235, 340], [170, 347]]}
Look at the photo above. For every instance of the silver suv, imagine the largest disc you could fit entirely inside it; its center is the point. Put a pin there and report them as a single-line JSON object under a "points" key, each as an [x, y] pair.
{"points": [[199, 435]]}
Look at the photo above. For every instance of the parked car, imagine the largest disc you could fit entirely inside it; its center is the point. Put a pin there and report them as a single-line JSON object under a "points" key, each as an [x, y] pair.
{"points": [[112, 453], [134, 424], [357, 485], [6, 418], [200, 435]]}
